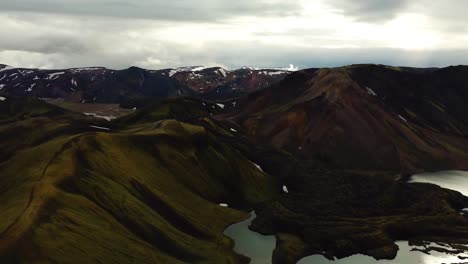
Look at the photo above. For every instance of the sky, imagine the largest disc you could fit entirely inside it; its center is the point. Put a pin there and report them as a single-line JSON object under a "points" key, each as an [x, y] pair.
{"points": [[156, 34]]}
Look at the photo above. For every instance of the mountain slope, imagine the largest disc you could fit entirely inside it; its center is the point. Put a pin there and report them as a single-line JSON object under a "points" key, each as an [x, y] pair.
{"points": [[343, 118], [93, 194], [434, 98]]}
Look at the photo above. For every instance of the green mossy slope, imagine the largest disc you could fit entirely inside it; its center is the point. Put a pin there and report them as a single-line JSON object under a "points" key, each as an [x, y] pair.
{"points": [[144, 194]]}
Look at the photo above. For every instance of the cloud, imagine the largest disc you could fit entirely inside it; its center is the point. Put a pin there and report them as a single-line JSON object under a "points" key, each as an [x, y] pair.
{"points": [[174, 10], [156, 34], [370, 10]]}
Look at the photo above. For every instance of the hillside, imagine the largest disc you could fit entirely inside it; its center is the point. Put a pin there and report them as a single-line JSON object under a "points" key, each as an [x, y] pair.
{"points": [[365, 117], [70, 198]]}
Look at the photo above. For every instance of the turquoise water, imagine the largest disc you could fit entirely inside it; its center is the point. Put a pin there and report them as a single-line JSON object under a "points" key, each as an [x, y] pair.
{"points": [[257, 247], [260, 248]]}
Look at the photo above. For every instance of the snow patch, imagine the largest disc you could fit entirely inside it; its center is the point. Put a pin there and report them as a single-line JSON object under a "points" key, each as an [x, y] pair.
{"points": [[220, 105], [102, 128], [224, 205], [172, 72], [87, 69], [186, 69], [370, 91], [24, 72], [223, 72], [108, 118], [285, 189], [2, 86], [55, 75], [272, 73], [2, 98], [198, 68], [402, 118], [73, 82], [31, 87], [6, 68], [233, 130], [292, 68], [257, 166]]}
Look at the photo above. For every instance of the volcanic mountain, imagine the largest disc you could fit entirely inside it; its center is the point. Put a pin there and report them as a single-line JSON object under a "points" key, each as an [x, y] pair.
{"points": [[133, 87], [365, 117]]}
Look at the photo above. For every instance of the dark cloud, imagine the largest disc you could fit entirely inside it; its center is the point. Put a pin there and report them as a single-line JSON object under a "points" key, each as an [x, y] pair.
{"points": [[370, 10], [252, 54], [49, 44], [174, 10], [153, 34]]}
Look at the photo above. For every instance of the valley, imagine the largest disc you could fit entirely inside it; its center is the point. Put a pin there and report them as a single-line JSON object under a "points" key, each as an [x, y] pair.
{"points": [[162, 163]]}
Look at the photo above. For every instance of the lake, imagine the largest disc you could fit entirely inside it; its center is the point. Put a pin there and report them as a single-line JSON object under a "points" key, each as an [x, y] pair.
{"points": [[260, 248], [257, 247]]}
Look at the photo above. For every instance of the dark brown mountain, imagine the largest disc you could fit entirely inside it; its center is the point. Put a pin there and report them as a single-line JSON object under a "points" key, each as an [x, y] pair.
{"points": [[133, 87], [366, 117], [218, 83]]}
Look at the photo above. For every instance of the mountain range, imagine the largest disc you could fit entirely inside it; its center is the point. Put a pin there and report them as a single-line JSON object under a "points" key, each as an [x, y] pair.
{"points": [[141, 166], [134, 87]]}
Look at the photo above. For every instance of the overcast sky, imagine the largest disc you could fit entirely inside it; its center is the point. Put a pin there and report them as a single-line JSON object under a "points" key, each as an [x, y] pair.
{"points": [[262, 33]]}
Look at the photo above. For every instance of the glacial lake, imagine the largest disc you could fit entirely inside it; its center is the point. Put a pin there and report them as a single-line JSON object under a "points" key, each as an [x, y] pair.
{"points": [[257, 247], [260, 248]]}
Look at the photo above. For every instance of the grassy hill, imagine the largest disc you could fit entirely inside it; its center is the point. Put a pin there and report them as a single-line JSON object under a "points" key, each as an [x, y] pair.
{"points": [[145, 194]]}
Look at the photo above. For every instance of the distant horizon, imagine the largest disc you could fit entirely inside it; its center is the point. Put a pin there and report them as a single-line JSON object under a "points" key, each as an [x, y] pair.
{"points": [[291, 67]]}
